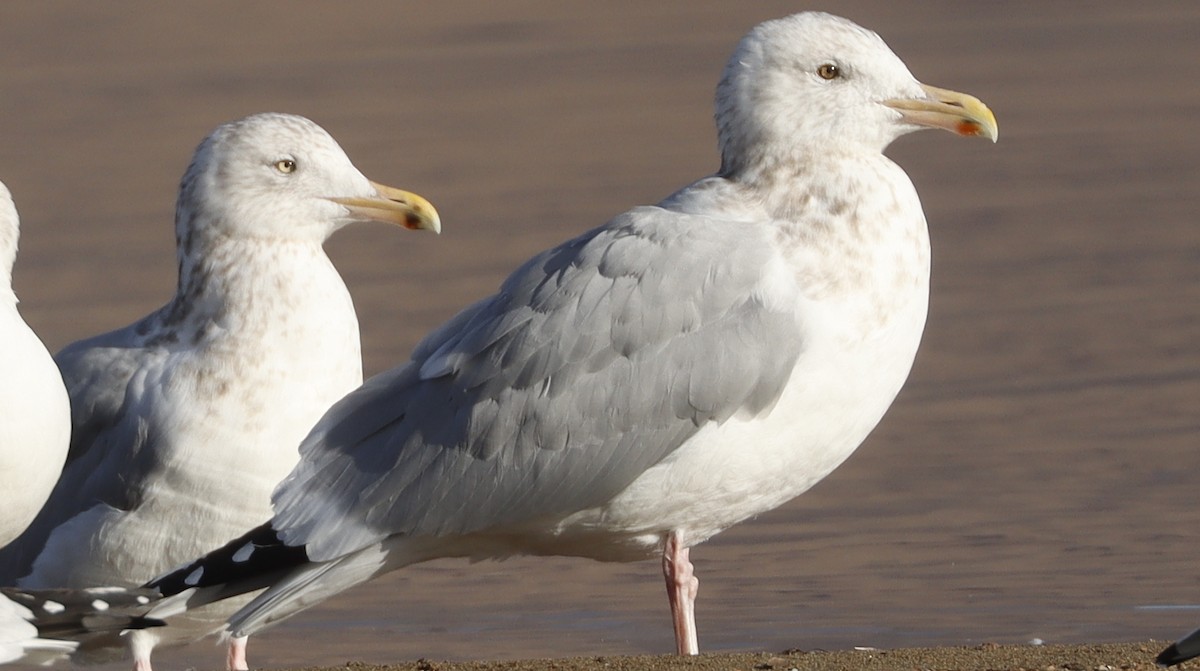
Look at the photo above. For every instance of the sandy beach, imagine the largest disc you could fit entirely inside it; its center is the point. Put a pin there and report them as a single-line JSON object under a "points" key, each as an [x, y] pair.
{"points": [[1032, 481]]}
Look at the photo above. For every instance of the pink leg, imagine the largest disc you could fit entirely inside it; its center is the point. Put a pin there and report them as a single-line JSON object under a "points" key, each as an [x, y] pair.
{"points": [[236, 658], [140, 647], [682, 586]]}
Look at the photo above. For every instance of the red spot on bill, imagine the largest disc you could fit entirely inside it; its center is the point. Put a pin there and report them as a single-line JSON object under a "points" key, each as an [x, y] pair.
{"points": [[969, 128]]}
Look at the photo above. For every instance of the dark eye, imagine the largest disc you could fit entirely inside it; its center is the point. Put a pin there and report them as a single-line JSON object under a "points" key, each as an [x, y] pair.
{"points": [[828, 71], [285, 165]]}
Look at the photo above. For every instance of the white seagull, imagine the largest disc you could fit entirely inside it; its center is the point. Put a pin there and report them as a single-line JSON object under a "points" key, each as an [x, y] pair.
{"points": [[35, 429], [186, 420], [634, 391]]}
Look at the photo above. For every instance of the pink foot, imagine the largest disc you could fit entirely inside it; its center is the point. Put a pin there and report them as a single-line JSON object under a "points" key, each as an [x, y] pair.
{"points": [[682, 586], [141, 645], [236, 657]]}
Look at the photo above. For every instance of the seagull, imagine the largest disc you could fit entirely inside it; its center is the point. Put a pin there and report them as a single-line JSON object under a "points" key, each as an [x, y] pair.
{"points": [[633, 391], [1180, 651], [186, 420], [35, 430]]}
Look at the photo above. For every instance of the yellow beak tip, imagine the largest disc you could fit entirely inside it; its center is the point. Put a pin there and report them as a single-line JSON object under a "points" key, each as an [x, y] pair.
{"points": [[424, 222]]}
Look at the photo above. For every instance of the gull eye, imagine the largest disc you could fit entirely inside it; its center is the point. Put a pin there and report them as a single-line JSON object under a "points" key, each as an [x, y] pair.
{"points": [[285, 165], [828, 71]]}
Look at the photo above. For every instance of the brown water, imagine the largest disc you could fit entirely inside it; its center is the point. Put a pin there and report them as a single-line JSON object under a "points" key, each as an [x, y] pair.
{"points": [[1032, 481]]}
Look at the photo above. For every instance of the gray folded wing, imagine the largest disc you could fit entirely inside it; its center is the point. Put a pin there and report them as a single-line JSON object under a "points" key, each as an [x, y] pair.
{"points": [[594, 361]]}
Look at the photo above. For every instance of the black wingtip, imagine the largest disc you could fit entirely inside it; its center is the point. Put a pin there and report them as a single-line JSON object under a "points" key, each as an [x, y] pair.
{"points": [[246, 560], [1171, 656], [1180, 651]]}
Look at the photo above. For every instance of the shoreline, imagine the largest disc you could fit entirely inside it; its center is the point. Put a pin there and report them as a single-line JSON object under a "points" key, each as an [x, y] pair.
{"points": [[1136, 656]]}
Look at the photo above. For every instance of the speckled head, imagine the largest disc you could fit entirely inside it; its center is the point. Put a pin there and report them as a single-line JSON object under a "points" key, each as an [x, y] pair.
{"points": [[816, 83], [281, 176]]}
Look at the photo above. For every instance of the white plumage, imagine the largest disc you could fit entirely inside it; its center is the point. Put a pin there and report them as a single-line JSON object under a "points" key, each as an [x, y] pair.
{"points": [[35, 430], [35, 417]]}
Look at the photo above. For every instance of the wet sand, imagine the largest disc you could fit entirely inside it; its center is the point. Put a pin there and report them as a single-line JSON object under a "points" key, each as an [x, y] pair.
{"points": [[1033, 481]]}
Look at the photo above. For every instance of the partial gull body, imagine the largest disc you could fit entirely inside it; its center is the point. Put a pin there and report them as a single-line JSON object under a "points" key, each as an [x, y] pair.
{"points": [[35, 429], [1180, 651], [35, 415], [631, 392], [186, 420], [20, 640], [67, 621]]}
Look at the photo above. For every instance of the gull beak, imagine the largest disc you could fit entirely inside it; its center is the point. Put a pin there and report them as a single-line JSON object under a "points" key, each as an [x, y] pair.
{"points": [[949, 110], [395, 206]]}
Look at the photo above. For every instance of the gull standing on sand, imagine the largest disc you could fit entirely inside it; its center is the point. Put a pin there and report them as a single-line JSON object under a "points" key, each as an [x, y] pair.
{"points": [[186, 420], [634, 391], [35, 429]]}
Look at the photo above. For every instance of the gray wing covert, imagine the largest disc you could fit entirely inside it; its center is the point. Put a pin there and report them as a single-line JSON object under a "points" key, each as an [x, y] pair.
{"points": [[594, 361], [97, 376]]}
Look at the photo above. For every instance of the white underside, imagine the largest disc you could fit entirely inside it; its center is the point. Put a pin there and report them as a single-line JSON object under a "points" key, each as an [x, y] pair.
{"points": [[35, 424]]}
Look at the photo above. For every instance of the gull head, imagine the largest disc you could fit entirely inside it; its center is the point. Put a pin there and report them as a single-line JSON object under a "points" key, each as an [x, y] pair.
{"points": [[281, 176], [817, 83]]}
